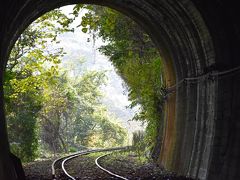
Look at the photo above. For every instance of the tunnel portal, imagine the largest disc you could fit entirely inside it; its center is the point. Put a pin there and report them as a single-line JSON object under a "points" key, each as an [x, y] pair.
{"points": [[199, 43]]}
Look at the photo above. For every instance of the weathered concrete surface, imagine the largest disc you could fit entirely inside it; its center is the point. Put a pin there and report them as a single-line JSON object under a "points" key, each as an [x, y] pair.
{"points": [[195, 37]]}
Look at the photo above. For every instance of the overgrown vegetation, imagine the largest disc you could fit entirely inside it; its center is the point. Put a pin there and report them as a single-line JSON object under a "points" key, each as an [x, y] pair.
{"points": [[137, 61], [65, 113], [47, 110]]}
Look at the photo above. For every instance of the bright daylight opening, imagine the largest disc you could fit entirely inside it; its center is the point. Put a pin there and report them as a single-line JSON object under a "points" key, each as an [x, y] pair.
{"points": [[85, 77]]}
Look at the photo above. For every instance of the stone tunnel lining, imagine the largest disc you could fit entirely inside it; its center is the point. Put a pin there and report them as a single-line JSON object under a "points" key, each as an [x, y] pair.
{"points": [[193, 119]]}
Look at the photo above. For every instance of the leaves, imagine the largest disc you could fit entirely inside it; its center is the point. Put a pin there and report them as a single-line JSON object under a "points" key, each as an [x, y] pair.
{"points": [[84, 30], [44, 104], [32, 66], [137, 61]]}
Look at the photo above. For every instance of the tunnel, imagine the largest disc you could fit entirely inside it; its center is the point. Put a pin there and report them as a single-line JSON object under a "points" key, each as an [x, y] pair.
{"points": [[198, 41]]}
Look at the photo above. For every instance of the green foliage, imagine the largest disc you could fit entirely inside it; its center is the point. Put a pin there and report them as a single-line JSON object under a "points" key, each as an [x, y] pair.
{"points": [[138, 140], [31, 65], [139, 143], [72, 116], [25, 77], [137, 61], [66, 112], [46, 109]]}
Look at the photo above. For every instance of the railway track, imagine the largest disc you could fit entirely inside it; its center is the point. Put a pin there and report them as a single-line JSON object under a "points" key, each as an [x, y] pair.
{"points": [[106, 170], [58, 166]]}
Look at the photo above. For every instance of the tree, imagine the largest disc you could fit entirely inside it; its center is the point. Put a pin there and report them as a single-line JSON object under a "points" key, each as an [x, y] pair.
{"points": [[44, 104], [32, 63], [137, 61], [72, 115]]}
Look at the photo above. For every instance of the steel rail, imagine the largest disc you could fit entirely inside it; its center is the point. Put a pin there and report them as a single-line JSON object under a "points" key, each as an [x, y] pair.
{"points": [[107, 171], [60, 159], [72, 157], [75, 155]]}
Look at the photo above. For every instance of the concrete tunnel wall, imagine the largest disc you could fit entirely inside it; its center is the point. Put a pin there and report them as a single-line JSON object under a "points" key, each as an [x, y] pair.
{"points": [[195, 37]]}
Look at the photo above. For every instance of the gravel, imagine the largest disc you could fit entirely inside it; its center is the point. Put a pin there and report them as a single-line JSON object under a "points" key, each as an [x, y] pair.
{"points": [[125, 164]]}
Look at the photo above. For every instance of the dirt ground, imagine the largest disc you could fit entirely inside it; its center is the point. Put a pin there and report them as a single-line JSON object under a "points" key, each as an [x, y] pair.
{"points": [[128, 165]]}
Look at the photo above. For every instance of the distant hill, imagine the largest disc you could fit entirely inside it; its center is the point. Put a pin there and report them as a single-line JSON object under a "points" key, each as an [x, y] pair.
{"points": [[82, 56]]}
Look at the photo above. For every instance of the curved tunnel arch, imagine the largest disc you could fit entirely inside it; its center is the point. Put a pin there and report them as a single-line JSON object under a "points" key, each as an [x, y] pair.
{"points": [[183, 39]]}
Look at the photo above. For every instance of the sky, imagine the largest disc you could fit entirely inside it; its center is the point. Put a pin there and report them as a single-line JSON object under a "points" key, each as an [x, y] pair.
{"points": [[77, 47]]}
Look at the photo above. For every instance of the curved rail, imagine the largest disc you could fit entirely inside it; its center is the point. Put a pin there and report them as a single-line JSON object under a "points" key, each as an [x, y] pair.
{"points": [[72, 156], [107, 171], [62, 158]]}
